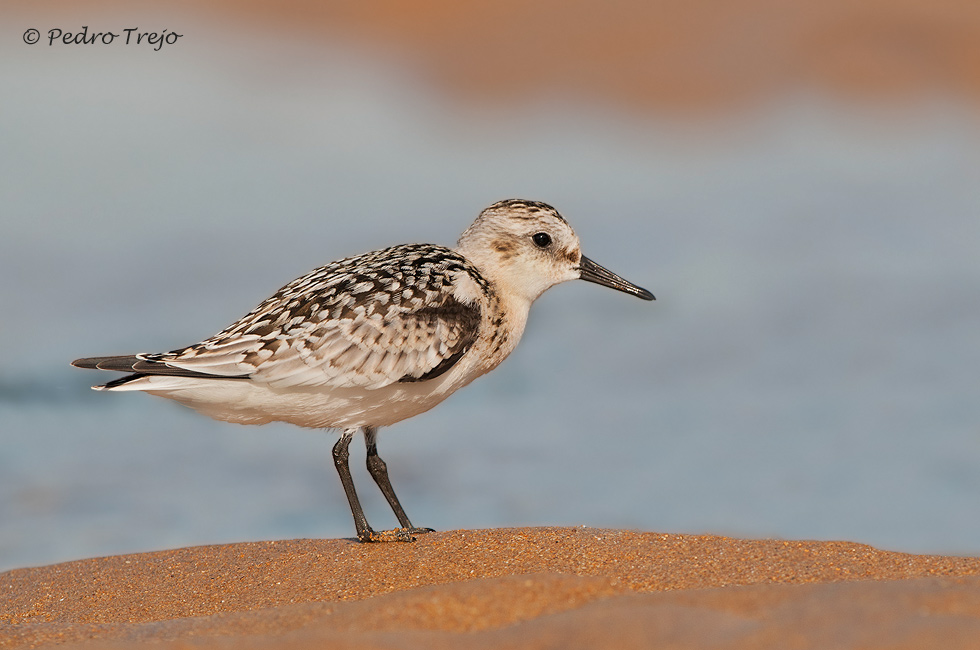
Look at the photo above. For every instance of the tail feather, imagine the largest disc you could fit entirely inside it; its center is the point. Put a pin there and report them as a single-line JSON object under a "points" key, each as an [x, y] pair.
{"points": [[115, 383], [121, 363], [138, 364]]}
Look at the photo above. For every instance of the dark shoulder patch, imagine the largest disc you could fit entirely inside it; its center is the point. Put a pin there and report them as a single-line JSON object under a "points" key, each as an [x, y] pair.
{"points": [[460, 317]]}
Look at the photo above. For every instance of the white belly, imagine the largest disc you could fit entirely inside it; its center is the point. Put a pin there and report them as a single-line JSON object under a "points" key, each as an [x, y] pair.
{"points": [[246, 402]]}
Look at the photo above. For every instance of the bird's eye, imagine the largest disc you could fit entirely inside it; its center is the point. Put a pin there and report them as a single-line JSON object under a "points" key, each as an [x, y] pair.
{"points": [[541, 239]]}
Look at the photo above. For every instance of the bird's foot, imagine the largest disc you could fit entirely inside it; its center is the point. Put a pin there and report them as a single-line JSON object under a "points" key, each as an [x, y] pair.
{"points": [[396, 535]]}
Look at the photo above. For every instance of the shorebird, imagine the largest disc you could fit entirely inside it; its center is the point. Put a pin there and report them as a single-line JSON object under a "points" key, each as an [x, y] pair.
{"points": [[374, 339]]}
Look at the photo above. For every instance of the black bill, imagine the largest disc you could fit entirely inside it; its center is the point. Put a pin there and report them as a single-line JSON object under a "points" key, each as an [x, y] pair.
{"points": [[592, 272]]}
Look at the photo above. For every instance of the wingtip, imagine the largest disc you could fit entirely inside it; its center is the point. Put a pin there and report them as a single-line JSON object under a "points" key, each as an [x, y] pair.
{"points": [[91, 363]]}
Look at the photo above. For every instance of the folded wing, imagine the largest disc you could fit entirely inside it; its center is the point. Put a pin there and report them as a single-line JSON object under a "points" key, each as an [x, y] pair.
{"points": [[349, 324]]}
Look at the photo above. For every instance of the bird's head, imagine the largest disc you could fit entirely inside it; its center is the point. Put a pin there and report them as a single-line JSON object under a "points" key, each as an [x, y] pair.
{"points": [[526, 247]]}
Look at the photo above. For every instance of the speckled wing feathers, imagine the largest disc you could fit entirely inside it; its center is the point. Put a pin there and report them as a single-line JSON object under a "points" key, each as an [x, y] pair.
{"points": [[366, 321]]}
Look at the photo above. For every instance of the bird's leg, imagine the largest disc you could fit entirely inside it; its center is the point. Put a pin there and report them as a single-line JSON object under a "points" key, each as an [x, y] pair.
{"points": [[379, 472], [341, 456]]}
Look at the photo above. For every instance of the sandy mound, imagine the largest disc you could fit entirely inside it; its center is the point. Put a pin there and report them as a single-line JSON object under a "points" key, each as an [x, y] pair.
{"points": [[527, 588]]}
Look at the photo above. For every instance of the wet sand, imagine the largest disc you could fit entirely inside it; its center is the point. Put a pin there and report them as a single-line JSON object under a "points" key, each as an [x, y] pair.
{"points": [[507, 588]]}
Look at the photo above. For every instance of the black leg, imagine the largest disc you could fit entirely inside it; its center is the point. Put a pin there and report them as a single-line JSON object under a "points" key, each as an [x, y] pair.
{"points": [[341, 456], [379, 472]]}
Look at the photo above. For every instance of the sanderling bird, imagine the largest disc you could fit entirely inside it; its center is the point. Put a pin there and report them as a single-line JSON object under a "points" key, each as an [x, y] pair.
{"points": [[374, 339]]}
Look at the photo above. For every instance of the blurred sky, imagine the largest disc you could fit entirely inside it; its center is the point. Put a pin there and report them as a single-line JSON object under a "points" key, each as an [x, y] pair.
{"points": [[797, 186]]}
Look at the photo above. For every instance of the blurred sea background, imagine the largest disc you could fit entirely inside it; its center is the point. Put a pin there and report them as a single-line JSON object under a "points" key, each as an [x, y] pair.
{"points": [[798, 183]]}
